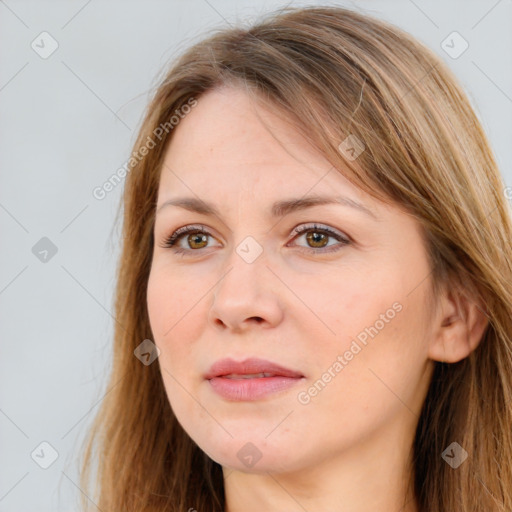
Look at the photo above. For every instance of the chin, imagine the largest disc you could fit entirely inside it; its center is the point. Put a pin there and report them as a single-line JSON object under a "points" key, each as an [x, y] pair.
{"points": [[258, 457]]}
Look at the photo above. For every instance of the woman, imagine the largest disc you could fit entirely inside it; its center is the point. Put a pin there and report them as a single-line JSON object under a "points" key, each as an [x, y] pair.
{"points": [[318, 229]]}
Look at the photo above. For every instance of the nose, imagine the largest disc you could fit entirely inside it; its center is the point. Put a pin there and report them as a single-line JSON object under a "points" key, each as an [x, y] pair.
{"points": [[246, 295]]}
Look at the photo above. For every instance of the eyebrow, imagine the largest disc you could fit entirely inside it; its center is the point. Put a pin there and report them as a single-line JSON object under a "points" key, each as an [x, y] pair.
{"points": [[279, 208]]}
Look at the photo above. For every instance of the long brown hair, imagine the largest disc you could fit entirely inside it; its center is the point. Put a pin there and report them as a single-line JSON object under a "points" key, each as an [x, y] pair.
{"points": [[335, 73]]}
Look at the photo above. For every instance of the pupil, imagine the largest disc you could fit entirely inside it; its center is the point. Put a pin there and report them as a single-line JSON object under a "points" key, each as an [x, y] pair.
{"points": [[197, 238], [315, 237]]}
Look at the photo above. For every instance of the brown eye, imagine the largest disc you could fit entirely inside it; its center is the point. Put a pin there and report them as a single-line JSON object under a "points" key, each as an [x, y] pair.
{"points": [[197, 238], [317, 238]]}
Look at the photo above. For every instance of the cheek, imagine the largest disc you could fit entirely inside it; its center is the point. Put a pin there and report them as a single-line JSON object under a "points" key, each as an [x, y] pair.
{"points": [[377, 328], [348, 303], [170, 301], [176, 315]]}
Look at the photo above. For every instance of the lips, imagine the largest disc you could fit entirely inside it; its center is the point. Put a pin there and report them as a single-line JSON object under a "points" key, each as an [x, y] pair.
{"points": [[249, 368], [252, 379]]}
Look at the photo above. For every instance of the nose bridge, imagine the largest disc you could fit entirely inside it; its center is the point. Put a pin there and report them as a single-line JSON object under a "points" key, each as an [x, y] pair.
{"points": [[245, 267], [243, 292]]}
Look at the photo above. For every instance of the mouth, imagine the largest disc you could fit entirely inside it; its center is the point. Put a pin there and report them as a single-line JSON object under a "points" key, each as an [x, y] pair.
{"points": [[249, 368], [248, 375], [251, 379]]}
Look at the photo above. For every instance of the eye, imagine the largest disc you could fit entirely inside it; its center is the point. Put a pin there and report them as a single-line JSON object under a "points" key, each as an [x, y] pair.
{"points": [[197, 239], [315, 235]]}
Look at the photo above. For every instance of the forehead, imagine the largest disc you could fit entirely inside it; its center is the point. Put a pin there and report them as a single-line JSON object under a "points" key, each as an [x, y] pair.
{"points": [[231, 142]]}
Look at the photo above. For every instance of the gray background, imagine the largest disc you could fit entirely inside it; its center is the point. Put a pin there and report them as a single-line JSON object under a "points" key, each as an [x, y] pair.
{"points": [[67, 123]]}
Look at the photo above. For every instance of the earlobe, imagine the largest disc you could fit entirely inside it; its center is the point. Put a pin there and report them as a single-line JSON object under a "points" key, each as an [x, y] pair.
{"points": [[460, 326]]}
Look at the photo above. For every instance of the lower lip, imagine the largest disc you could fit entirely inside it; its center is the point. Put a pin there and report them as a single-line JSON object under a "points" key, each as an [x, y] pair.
{"points": [[253, 388]]}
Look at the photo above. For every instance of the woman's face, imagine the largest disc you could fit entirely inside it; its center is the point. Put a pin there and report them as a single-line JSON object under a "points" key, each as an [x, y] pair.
{"points": [[344, 310]]}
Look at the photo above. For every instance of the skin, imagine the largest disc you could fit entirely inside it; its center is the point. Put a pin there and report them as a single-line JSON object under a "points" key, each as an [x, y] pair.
{"points": [[348, 448]]}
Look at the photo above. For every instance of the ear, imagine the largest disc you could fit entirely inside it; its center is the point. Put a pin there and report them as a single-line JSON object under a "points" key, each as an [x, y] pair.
{"points": [[459, 327]]}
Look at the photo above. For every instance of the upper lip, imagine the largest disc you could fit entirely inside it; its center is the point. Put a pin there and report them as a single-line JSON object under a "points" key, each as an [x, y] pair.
{"points": [[229, 366]]}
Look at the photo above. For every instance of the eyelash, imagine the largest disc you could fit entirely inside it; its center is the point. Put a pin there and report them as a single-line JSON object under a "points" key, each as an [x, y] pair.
{"points": [[171, 240]]}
